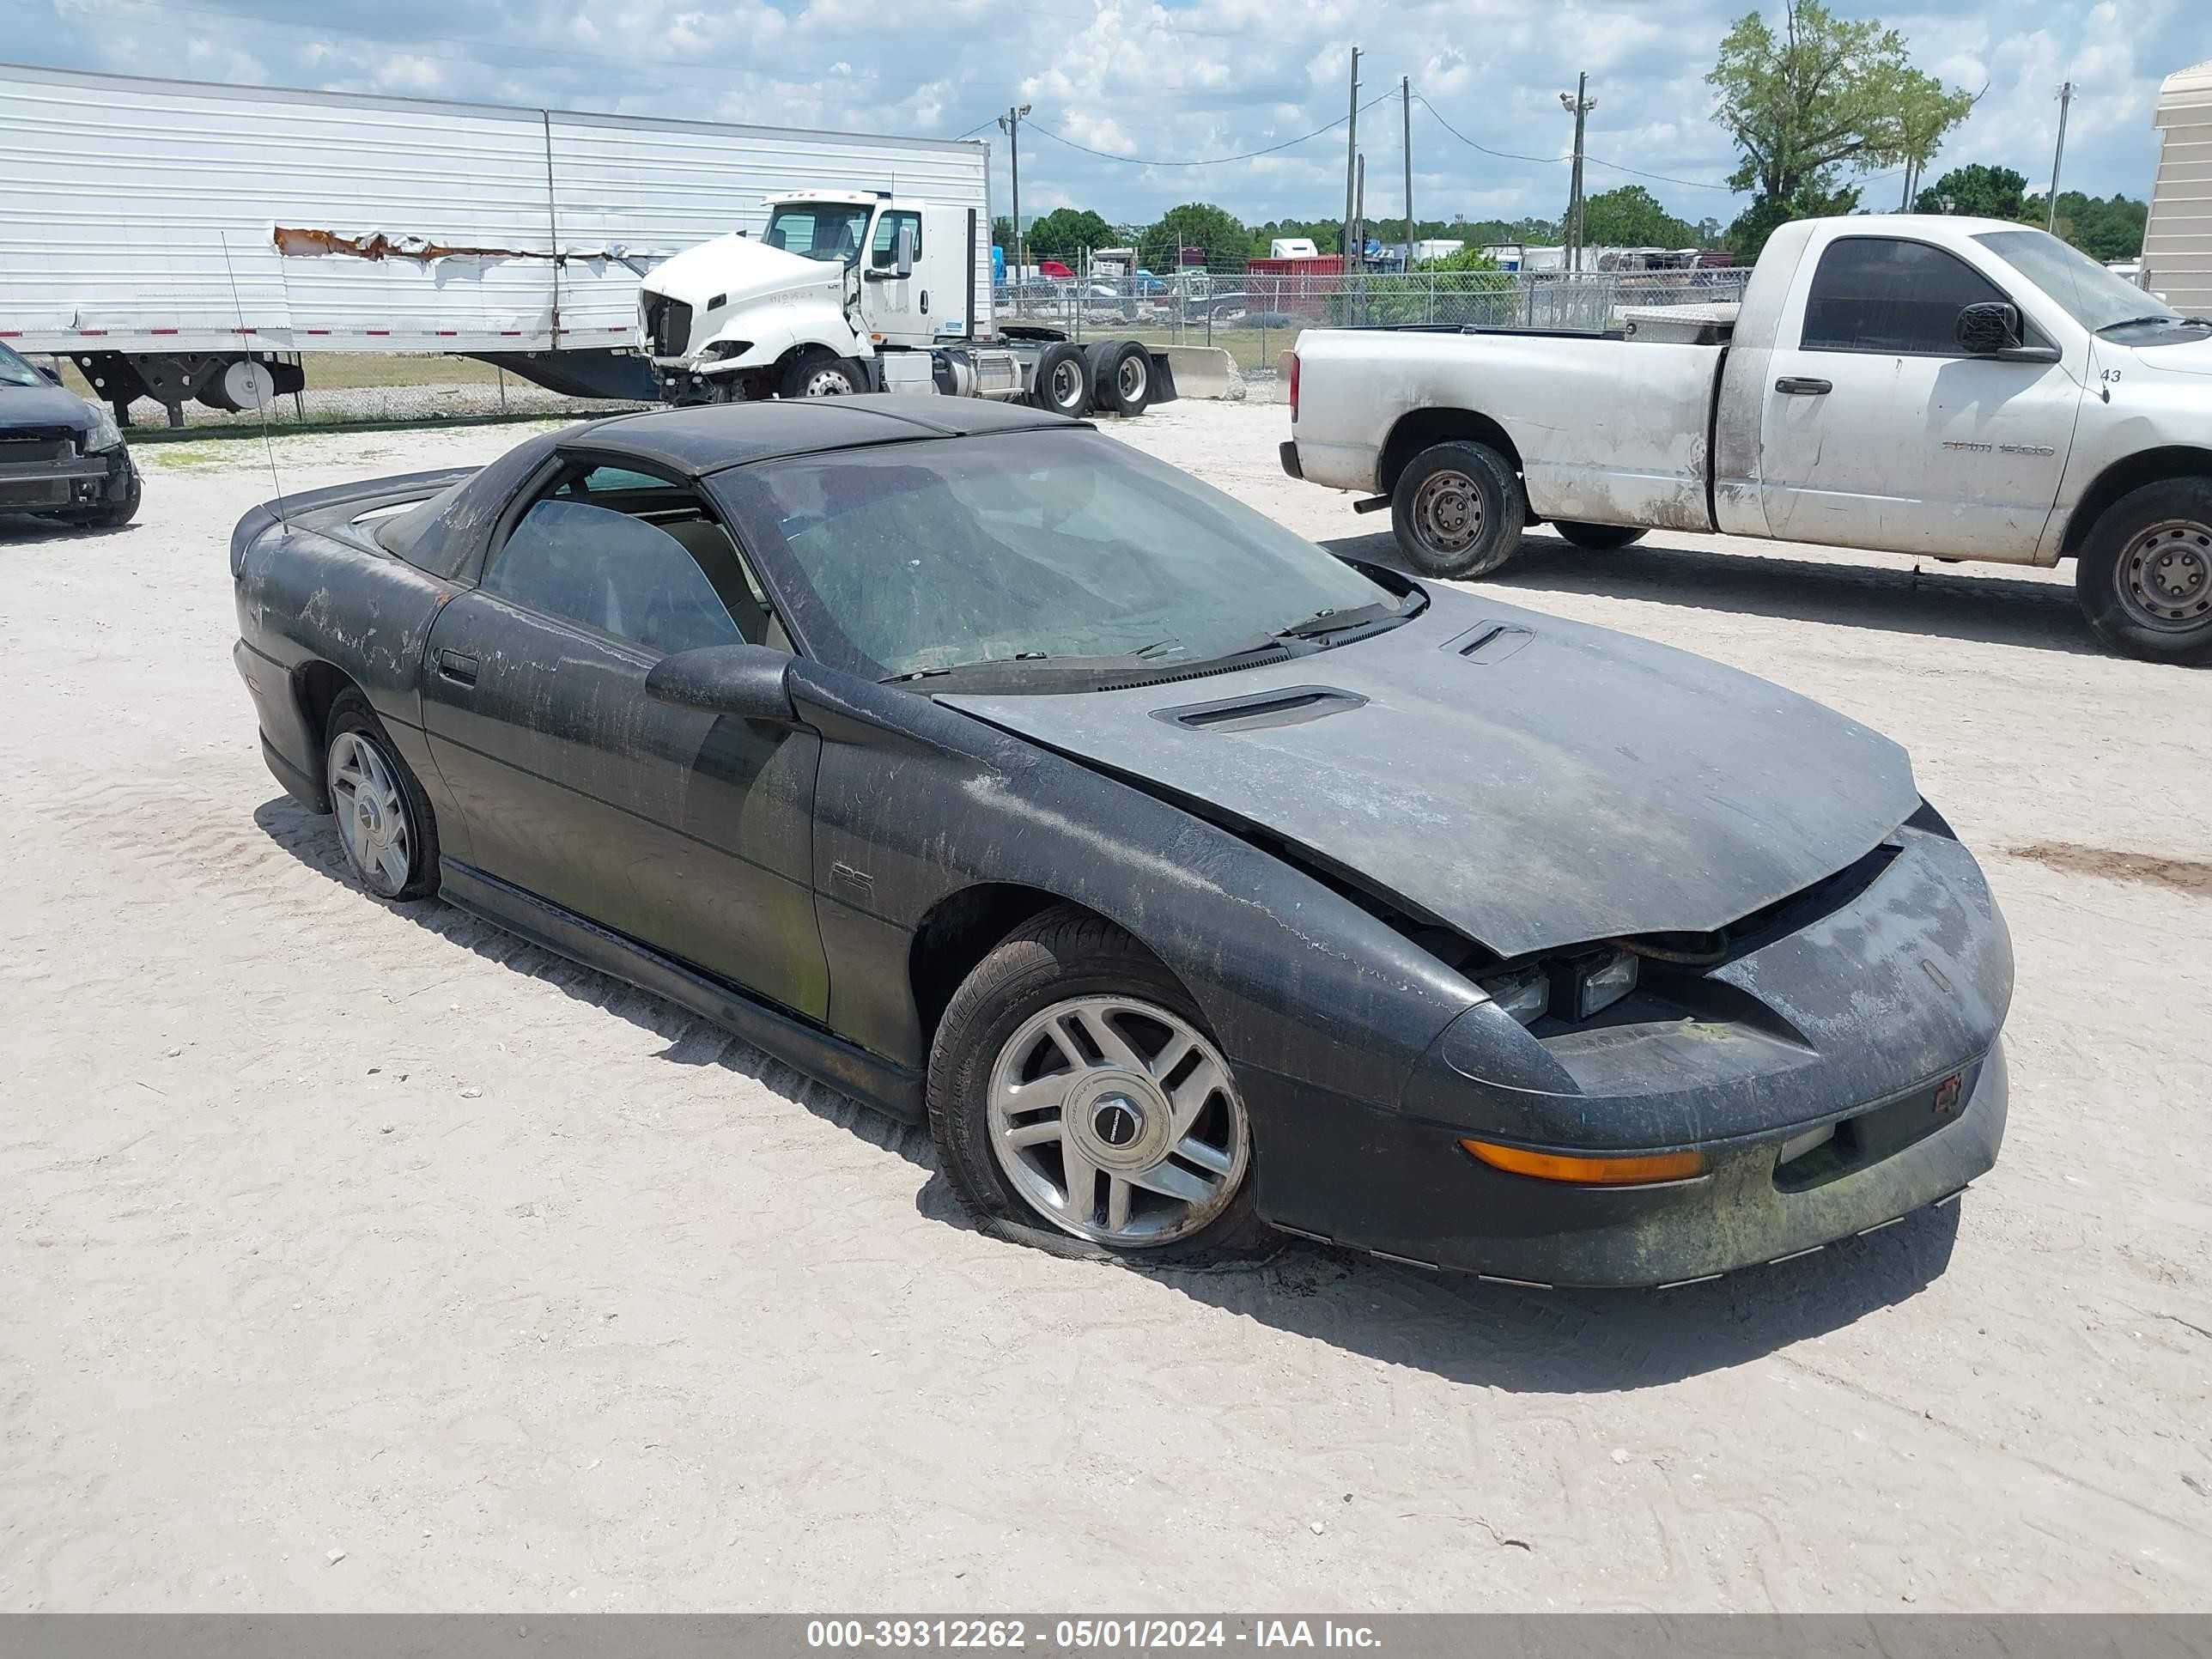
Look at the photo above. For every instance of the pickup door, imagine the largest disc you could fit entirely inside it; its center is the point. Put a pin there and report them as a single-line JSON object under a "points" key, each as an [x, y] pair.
{"points": [[1877, 430]]}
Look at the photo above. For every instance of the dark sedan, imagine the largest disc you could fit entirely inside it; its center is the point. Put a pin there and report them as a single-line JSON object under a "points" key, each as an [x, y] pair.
{"points": [[60, 457], [1186, 878]]}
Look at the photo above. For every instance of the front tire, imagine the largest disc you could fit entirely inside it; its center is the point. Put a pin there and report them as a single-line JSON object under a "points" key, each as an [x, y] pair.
{"points": [[110, 515], [384, 824], [820, 372], [1598, 538], [1458, 510], [2144, 574], [1078, 1102]]}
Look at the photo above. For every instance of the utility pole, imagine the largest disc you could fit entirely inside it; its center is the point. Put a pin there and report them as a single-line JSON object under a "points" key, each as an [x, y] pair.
{"points": [[1406, 94], [2065, 102], [1579, 107], [1360, 234], [1011, 125], [1350, 164]]}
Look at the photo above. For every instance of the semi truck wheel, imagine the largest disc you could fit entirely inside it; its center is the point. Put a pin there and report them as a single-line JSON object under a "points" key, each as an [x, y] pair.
{"points": [[1458, 510], [1122, 377], [2144, 574], [1598, 538], [821, 373], [1062, 383]]}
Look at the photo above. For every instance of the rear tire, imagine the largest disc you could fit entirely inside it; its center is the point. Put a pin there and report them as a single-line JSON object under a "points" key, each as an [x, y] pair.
{"points": [[1121, 379], [385, 828], [1598, 538], [1153, 1100], [818, 372], [1062, 381], [1458, 511], [2144, 574]]}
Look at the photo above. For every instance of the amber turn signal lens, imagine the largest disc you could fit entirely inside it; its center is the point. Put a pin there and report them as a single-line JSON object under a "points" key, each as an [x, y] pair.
{"points": [[1589, 1171]]}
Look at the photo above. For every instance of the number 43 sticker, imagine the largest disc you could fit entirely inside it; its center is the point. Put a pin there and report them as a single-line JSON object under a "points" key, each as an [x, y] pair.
{"points": [[2109, 376]]}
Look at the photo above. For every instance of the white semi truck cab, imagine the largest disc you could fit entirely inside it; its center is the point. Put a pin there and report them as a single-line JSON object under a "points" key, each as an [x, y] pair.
{"points": [[852, 291]]}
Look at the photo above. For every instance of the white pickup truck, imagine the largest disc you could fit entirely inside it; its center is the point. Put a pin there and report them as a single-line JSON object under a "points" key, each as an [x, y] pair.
{"points": [[1952, 388]]}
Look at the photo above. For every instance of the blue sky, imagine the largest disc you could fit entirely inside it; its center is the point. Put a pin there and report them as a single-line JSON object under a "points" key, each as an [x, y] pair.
{"points": [[1191, 80]]}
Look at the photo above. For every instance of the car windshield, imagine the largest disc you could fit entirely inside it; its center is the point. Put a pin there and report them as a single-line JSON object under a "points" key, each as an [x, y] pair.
{"points": [[1041, 549], [2092, 295], [15, 371], [830, 231]]}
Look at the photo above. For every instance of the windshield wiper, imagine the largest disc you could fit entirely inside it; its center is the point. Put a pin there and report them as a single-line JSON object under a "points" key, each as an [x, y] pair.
{"points": [[2133, 322], [1336, 621]]}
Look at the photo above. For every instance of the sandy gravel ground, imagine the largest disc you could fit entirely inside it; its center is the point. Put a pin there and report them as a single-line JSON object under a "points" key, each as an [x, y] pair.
{"points": [[329, 1227]]}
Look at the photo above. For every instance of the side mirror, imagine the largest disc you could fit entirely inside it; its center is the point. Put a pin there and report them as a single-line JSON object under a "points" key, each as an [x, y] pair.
{"points": [[747, 681], [51, 372], [1985, 330], [906, 241]]}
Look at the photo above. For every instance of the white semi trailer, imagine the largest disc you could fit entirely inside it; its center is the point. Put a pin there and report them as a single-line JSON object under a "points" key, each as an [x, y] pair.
{"points": [[185, 241]]}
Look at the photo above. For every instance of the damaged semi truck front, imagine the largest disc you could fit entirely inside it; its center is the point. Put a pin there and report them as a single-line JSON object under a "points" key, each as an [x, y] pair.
{"points": [[852, 291]]}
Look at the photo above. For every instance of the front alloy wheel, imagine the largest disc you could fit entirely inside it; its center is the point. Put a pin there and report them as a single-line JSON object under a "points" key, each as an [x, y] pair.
{"points": [[1116, 1121]]}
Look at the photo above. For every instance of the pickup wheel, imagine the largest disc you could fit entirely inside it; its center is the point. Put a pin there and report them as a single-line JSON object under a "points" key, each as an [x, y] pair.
{"points": [[2144, 574], [1598, 538], [1458, 510]]}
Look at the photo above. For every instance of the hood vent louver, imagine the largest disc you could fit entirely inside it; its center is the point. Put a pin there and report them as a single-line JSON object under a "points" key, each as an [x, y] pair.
{"points": [[1291, 706], [1489, 641]]}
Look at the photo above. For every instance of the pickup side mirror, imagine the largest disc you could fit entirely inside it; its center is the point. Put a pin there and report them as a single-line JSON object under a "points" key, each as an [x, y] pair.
{"points": [[748, 681], [1985, 330]]}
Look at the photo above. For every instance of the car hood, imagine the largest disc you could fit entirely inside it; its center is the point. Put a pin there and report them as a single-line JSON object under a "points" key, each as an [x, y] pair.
{"points": [[741, 268], [1527, 781], [44, 405], [2184, 356]]}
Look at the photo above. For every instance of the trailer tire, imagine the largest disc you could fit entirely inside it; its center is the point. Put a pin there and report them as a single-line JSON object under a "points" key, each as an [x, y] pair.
{"points": [[1458, 510], [818, 372], [2144, 574], [1122, 378], [1598, 538], [1061, 382]]}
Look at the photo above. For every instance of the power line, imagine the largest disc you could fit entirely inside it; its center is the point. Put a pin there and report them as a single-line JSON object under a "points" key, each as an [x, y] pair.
{"points": [[1553, 161], [1210, 161]]}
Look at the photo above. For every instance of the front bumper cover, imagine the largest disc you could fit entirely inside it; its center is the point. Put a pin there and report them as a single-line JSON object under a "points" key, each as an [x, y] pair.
{"points": [[75, 482]]}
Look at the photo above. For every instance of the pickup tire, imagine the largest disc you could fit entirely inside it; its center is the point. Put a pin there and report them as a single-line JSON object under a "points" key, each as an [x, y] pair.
{"points": [[1458, 510], [1598, 538], [2144, 573]]}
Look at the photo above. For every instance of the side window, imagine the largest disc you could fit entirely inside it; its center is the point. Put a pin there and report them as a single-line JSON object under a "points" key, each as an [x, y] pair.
{"points": [[1873, 294], [883, 251], [632, 555]]}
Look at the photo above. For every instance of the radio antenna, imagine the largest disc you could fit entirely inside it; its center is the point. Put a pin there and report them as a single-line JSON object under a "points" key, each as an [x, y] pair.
{"points": [[261, 404]]}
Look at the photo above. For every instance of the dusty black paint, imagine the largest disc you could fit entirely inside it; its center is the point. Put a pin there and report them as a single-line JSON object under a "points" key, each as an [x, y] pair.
{"points": [[821, 883]]}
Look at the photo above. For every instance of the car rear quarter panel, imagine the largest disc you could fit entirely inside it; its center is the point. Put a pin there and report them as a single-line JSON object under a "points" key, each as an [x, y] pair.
{"points": [[304, 599]]}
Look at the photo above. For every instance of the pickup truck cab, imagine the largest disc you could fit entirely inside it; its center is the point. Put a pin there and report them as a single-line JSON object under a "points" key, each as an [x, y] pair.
{"points": [[1946, 387]]}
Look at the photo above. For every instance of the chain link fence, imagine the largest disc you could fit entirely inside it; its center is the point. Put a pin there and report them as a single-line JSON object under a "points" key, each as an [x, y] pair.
{"points": [[1256, 315]]}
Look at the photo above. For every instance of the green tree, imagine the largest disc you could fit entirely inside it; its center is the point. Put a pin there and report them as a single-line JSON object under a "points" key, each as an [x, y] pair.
{"points": [[1467, 259], [2103, 229], [1064, 232], [1981, 191], [1630, 216], [1002, 235], [1194, 224], [1824, 94]]}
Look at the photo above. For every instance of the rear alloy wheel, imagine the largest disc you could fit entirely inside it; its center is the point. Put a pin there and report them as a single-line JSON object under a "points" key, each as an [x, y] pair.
{"points": [[817, 374], [1598, 538], [1077, 1100], [1457, 510], [1062, 383], [384, 826], [2144, 574]]}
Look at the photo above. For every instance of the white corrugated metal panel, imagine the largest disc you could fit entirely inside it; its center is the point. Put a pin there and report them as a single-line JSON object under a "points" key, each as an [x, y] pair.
{"points": [[672, 185], [2177, 253], [139, 214]]}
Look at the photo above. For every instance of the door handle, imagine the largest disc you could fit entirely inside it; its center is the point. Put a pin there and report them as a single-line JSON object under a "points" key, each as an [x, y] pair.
{"points": [[457, 667], [1792, 385], [925, 302]]}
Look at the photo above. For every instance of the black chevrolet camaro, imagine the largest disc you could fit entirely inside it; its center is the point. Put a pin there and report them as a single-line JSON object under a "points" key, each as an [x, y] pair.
{"points": [[1185, 877]]}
